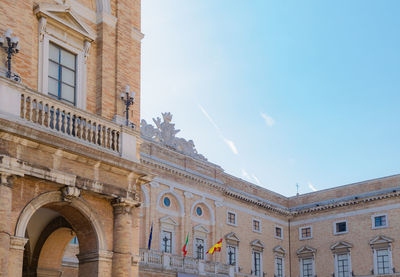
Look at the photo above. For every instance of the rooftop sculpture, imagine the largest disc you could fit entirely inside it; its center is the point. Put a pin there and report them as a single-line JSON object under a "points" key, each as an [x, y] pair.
{"points": [[165, 132]]}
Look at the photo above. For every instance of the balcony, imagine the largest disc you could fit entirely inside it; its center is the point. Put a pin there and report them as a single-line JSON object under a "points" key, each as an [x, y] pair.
{"points": [[32, 109], [151, 260]]}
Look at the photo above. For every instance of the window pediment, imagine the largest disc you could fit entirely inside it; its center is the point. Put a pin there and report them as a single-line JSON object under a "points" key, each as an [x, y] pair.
{"points": [[200, 229], [257, 245], [380, 241], [168, 221], [232, 239], [63, 16], [306, 252], [279, 250], [341, 246]]}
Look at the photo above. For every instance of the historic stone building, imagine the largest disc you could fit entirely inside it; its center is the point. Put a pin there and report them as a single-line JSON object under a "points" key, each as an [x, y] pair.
{"points": [[82, 189]]}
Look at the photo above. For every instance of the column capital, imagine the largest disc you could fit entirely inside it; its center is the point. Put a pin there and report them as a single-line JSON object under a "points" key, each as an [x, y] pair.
{"points": [[101, 255], [124, 205], [18, 243]]}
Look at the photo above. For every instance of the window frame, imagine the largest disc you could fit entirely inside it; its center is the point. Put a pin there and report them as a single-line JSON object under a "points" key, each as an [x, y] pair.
{"points": [[172, 240], [278, 227], [227, 218], [51, 36], [312, 266], [259, 225], [195, 250], [335, 232], [282, 258], [376, 262], [379, 215], [301, 233], [349, 266], [236, 265], [253, 265]]}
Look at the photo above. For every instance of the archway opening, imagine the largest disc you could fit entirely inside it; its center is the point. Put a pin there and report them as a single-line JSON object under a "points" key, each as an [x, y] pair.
{"points": [[53, 232]]}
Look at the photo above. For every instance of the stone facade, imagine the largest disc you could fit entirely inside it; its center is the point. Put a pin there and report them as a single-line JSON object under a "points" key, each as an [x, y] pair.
{"points": [[70, 172]]}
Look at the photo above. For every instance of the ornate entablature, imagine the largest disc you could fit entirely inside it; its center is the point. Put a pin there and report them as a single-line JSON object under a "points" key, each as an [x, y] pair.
{"points": [[164, 133]]}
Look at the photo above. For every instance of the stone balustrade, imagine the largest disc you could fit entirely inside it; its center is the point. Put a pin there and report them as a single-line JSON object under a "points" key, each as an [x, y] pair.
{"points": [[23, 105], [155, 260]]}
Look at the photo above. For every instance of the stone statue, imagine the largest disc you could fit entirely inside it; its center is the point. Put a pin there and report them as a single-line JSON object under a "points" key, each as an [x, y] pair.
{"points": [[165, 132]]}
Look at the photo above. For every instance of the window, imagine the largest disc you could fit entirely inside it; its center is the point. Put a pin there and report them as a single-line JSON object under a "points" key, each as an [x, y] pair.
{"points": [[343, 265], [231, 218], [62, 74], [383, 261], [199, 211], [305, 232], [256, 226], [231, 255], [167, 202], [256, 263], [166, 242], [307, 267], [379, 221], [199, 244], [278, 267], [340, 227], [278, 232]]}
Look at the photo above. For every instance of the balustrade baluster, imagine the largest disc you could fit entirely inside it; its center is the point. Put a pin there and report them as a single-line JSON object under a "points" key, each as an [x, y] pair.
{"points": [[94, 129], [30, 109], [23, 103], [40, 113], [99, 135]]}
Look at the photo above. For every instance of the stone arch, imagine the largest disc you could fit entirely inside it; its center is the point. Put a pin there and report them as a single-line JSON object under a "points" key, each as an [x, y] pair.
{"points": [[56, 197], [210, 210], [146, 197], [177, 197]]}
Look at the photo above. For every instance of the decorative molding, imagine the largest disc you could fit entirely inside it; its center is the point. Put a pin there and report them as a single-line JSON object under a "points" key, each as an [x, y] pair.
{"points": [[86, 49], [210, 210], [232, 239], [70, 192], [219, 204], [380, 240], [188, 194], [201, 228], [124, 205], [306, 252], [257, 245], [154, 184], [181, 210], [341, 247], [279, 250]]}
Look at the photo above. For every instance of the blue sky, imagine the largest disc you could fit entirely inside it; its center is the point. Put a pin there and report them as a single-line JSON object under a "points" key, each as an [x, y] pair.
{"points": [[279, 92]]}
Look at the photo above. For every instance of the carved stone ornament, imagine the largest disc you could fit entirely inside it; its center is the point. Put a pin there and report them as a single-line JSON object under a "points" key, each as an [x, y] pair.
{"points": [[69, 192], [165, 132], [124, 205]]}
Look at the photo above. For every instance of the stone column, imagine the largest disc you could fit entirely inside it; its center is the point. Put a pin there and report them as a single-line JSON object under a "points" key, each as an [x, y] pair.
{"points": [[5, 228], [122, 236]]}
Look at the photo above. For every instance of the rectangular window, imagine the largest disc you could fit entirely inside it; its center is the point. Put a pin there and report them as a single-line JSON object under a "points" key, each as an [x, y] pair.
{"points": [[257, 263], [166, 242], [307, 267], [199, 243], [278, 232], [256, 225], [231, 218], [382, 259], [379, 221], [343, 265], [231, 250], [278, 267], [305, 232], [62, 74], [340, 227]]}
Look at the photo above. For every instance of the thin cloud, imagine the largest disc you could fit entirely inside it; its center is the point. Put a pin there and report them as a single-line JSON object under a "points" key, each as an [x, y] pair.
{"points": [[268, 119], [256, 179], [228, 142], [231, 145], [311, 186], [245, 174]]}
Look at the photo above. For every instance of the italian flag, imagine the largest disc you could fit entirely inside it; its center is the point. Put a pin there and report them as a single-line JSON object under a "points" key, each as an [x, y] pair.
{"points": [[185, 245]]}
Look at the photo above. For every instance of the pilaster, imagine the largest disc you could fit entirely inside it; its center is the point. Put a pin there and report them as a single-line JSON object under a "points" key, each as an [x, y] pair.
{"points": [[6, 185]]}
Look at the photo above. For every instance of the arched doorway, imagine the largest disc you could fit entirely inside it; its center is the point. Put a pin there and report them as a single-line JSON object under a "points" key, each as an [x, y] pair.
{"points": [[50, 222]]}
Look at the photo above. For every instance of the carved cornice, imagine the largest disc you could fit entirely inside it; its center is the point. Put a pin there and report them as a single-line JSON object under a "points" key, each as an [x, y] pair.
{"points": [[70, 192]]}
